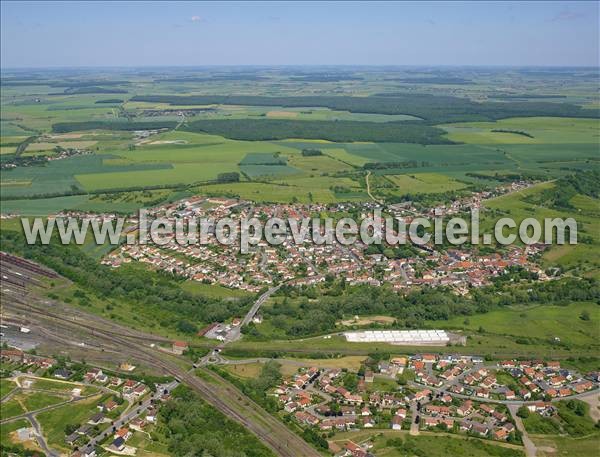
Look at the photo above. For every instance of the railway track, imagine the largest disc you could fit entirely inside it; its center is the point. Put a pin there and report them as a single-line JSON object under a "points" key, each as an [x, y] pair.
{"points": [[28, 309], [27, 265], [270, 431], [238, 407]]}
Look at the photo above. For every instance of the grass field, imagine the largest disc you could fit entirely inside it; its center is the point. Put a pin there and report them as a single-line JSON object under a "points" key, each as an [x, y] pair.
{"points": [[544, 130], [181, 158], [127, 202], [48, 146], [428, 444], [304, 189], [541, 322], [291, 366], [213, 290], [53, 422], [148, 447], [342, 155], [488, 343], [32, 401], [566, 446], [318, 164], [60, 386], [425, 183], [6, 385], [11, 408], [59, 176], [433, 157]]}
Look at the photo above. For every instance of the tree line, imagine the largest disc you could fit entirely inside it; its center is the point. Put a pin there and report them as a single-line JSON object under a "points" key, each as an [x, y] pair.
{"points": [[312, 310], [434, 109], [153, 292]]}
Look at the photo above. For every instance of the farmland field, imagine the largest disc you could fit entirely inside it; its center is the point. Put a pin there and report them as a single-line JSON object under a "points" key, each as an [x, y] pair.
{"points": [[544, 130], [175, 158], [425, 183]]}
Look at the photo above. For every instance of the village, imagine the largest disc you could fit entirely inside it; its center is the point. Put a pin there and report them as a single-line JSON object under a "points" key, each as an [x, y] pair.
{"points": [[450, 393], [308, 263], [124, 405]]}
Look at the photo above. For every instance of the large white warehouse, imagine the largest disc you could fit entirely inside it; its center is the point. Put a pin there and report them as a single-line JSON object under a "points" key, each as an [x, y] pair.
{"points": [[408, 337]]}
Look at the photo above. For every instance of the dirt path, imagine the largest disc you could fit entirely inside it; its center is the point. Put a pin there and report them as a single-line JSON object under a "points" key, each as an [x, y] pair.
{"points": [[369, 188], [530, 449]]}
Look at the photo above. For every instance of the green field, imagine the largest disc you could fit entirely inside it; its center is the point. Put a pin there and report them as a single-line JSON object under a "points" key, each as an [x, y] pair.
{"points": [[544, 130], [53, 422], [566, 446], [301, 189], [213, 290], [59, 176], [179, 158], [318, 164], [540, 322], [11, 408], [61, 387], [126, 202], [510, 332], [390, 443], [32, 401], [425, 183], [6, 385]]}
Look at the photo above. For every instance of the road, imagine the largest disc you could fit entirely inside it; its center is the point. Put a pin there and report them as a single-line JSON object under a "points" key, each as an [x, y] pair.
{"points": [[235, 332], [107, 336], [414, 425], [40, 437], [130, 414], [31, 417], [46, 408], [530, 449]]}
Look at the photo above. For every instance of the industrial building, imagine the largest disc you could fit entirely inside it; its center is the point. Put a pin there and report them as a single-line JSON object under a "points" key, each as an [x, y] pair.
{"points": [[407, 337]]}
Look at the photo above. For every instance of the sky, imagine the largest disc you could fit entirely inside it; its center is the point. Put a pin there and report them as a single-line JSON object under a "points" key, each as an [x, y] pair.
{"points": [[65, 34]]}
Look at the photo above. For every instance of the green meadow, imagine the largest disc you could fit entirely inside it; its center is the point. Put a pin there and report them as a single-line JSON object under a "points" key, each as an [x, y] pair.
{"points": [[540, 322], [54, 422], [543, 130], [425, 183]]}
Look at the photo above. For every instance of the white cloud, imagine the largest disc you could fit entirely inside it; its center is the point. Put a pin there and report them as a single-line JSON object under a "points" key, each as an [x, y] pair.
{"points": [[196, 18]]}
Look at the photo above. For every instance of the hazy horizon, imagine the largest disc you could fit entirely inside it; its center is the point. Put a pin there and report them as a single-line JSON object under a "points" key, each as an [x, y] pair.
{"points": [[301, 65], [193, 34]]}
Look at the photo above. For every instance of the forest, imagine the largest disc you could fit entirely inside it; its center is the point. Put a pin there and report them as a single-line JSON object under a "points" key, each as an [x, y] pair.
{"points": [[338, 131], [434, 109], [559, 197], [66, 127], [193, 428]]}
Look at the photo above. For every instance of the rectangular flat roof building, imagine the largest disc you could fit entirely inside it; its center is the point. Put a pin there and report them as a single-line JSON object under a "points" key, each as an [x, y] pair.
{"points": [[407, 337]]}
